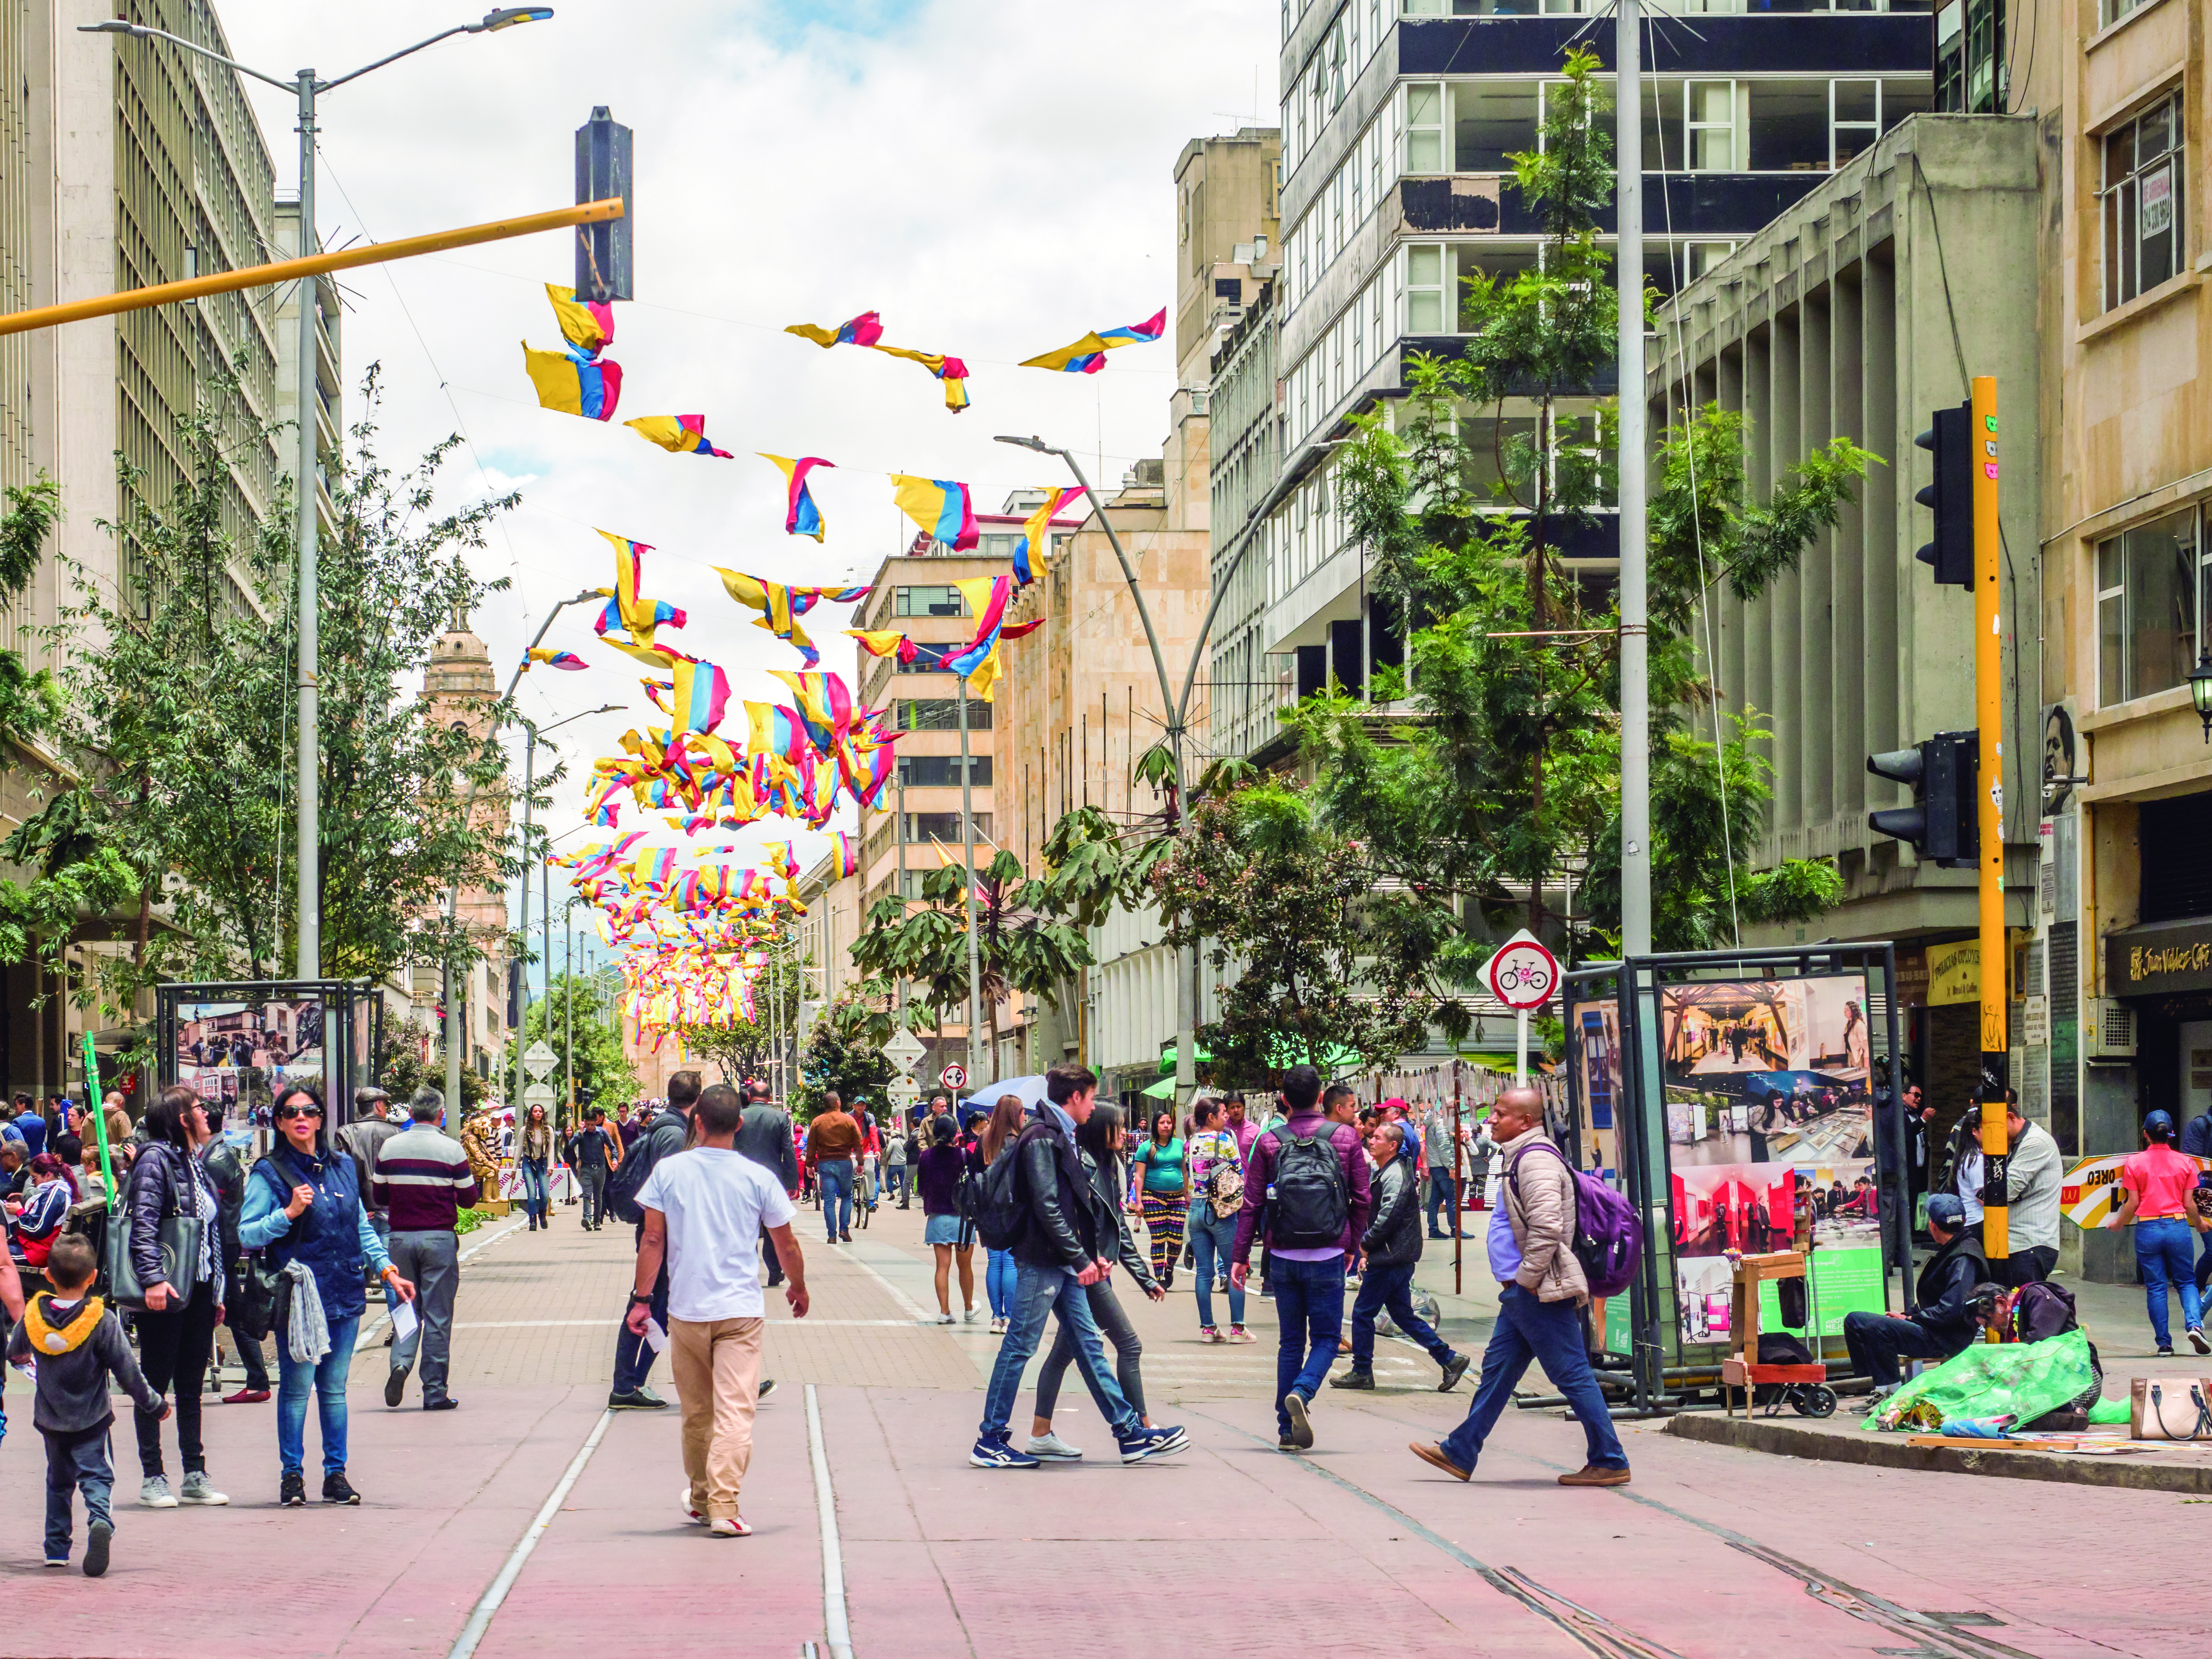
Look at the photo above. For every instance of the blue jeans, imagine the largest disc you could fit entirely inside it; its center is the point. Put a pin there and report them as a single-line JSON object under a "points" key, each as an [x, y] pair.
{"points": [[1550, 1332], [837, 1175], [1211, 1242], [327, 1380], [75, 1463], [2203, 1265], [1440, 1200], [1039, 1292], [895, 1182], [999, 1277], [1390, 1288], [536, 1193], [1309, 1310], [2162, 1253], [633, 1353]]}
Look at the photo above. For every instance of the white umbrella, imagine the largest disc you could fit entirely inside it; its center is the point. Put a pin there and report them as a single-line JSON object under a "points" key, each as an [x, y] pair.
{"points": [[1027, 1090]]}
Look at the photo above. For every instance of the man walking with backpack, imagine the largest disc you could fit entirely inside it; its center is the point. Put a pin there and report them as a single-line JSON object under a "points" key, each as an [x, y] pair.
{"points": [[663, 1138], [1307, 1196], [1542, 1288], [1039, 1203]]}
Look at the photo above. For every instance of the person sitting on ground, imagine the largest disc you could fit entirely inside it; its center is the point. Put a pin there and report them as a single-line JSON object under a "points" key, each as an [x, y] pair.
{"points": [[1943, 1320], [78, 1346]]}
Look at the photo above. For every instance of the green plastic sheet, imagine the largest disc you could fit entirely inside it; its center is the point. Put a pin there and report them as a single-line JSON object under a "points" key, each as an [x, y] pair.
{"points": [[2021, 1379]]}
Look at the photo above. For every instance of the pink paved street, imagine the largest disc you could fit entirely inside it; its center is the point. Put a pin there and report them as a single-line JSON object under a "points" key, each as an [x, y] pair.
{"points": [[1354, 1549]]}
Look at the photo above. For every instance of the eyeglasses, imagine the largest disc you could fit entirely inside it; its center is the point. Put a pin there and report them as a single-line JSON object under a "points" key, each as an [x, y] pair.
{"points": [[284, 1113]]}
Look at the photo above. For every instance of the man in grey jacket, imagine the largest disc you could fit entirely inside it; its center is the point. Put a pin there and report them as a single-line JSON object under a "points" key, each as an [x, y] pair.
{"points": [[1541, 1289], [2033, 1175]]}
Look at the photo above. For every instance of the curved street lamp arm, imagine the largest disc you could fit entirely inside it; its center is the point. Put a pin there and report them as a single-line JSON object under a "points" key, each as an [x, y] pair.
{"points": [[146, 32], [1136, 589], [404, 51]]}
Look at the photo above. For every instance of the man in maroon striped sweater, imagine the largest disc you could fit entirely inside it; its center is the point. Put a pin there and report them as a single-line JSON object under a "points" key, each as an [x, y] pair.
{"points": [[423, 1180]]}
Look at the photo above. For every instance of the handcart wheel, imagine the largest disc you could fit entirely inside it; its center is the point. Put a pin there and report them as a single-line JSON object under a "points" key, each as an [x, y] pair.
{"points": [[1817, 1400]]}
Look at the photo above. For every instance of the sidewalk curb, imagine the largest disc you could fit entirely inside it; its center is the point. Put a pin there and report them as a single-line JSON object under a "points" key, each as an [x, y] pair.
{"points": [[1876, 1451]]}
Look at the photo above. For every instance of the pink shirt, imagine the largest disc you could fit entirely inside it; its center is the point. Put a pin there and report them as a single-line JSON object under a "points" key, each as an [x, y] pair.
{"points": [[2163, 1178]]}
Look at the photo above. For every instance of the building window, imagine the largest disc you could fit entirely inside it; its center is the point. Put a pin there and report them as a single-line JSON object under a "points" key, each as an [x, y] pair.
{"points": [[939, 771], [2109, 12], [1424, 127], [1424, 288], [943, 826], [939, 715], [2141, 197], [1854, 118], [1709, 118], [1492, 122], [2152, 587], [927, 602], [1969, 70]]}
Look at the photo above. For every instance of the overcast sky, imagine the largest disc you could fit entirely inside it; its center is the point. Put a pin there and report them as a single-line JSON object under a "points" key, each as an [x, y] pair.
{"points": [[994, 177]]}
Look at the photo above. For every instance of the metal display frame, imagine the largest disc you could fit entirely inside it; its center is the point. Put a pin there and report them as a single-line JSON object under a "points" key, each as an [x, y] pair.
{"points": [[346, 1003], [1632, 987]]}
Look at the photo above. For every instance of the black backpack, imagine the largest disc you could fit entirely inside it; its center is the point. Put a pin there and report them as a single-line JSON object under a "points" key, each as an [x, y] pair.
{"points": [[627, 1180], [1308, 1199], [995, 1204]]}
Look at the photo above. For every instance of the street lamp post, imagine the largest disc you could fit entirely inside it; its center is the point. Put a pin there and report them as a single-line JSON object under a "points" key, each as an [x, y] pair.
{"points": [[1177, 710], [307, 963], [534, 732]]}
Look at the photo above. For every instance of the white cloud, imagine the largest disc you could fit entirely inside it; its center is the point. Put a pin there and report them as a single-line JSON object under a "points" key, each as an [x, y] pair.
{"points": [[994, 177]]}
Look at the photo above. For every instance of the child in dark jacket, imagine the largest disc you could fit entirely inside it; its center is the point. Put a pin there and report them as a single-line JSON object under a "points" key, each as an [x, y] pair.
{"points": [[78, 1345]]}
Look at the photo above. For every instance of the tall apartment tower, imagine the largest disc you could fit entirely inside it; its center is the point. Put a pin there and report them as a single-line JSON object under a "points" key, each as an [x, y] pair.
{"points": [[1399, 122]]}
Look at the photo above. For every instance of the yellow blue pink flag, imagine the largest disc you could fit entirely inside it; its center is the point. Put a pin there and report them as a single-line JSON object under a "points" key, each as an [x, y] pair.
{"points": [[940, 506], [573, 384], [1088, 355], [800, 516], [680, 435]]}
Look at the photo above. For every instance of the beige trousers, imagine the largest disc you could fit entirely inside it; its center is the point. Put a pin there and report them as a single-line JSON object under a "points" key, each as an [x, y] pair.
{"points": [[717, 1364]]}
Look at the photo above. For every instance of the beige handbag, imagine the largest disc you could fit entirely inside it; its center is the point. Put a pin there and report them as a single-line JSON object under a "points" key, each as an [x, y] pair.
{"points": [[2171, 1408]]}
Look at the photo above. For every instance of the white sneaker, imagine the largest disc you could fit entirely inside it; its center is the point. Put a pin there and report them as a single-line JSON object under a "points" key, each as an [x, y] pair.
{"points": [[944, 1319], [197, 1490], [968, 1318], [696, 1517], [997, 1328], [1052, 1449], [154, 1492]]}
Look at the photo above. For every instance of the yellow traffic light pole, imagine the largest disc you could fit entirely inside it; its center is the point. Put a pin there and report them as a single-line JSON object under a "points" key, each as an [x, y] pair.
{"points": [[1989, 801], [314, 264]]}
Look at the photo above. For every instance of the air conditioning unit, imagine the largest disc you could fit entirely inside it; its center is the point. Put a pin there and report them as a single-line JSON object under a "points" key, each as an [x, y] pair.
{"points": [[2111, 1037]]}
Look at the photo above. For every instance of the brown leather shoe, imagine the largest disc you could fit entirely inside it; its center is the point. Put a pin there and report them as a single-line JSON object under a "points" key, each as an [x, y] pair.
{"points": [[1434, 1456], [1590, 1475]]}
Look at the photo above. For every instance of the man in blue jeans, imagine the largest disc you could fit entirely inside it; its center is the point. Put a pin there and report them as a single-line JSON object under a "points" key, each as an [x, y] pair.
{"points": [[1307, 1196], [663, 1137], [1388, 1253], [1064, 1244], [1542, 1291]]}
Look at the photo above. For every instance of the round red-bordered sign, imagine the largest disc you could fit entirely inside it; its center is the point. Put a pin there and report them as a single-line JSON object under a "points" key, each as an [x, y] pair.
{"points": [[1521, 973]]}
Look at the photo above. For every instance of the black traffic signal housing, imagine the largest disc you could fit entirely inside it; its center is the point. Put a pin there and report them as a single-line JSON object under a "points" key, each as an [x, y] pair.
{"points": [[1950, 496], [1943, 824]]}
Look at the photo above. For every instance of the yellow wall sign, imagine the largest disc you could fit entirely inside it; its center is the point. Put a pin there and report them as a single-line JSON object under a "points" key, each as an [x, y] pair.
{"points": [[1954, 973]]}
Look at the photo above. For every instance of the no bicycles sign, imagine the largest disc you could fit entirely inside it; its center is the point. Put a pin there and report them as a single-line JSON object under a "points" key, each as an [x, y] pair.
{"points": [[1521, 973]]}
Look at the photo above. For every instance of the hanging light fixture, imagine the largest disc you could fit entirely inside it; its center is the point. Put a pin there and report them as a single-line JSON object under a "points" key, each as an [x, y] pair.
{"points": [[2200, 689]]}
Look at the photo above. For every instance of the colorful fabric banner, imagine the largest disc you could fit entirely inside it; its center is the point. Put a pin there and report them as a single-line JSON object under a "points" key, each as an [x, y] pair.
{"points": [[573, 384], [636, 613], [800, 516], [702, 692], [1036, 536], [1088, 355], [940, 506], [681, 434], [779, 609], [864, 329], [950, 370], [586, 325], [569, 661], [883, 642]]}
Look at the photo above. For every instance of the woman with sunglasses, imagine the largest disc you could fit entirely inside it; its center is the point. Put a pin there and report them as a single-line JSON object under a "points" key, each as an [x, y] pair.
{"points": [[303, 1207]]}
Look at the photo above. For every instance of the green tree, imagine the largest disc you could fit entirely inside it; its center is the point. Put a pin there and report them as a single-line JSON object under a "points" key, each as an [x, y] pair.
{"points": [[845, 1053], [407, 1059], [747, 1048]]}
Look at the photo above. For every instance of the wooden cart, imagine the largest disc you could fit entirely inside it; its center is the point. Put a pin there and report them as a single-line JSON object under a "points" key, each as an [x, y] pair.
{"points": [[1804, 1387]]}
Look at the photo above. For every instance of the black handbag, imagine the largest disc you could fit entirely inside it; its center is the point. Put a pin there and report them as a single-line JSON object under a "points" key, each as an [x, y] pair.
{"points": [[252, 1309], [179, 1237]]}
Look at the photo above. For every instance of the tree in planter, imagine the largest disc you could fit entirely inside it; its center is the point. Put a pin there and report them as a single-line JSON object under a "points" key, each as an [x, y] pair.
{"points": [[845, 1053], [1508, 768], [1324, 963]]}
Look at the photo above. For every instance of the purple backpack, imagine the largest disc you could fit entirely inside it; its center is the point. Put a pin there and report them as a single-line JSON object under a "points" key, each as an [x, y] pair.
{"points": [[1607, 1240]]}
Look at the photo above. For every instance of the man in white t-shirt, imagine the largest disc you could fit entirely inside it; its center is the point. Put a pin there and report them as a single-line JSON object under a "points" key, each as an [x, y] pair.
{"points": [[704, 1211]]}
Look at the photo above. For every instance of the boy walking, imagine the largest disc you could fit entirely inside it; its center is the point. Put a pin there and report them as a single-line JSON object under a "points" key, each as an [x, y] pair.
{"points": [[78, 1346]]}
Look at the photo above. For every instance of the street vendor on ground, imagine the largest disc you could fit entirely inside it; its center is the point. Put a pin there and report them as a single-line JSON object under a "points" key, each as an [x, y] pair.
{"points": [[1944, 1324]]}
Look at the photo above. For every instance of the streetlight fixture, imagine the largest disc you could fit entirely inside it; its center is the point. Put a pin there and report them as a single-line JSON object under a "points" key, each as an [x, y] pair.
{"points": [[534, 732], [2200, 689], [1175, 710], [307, 963]]}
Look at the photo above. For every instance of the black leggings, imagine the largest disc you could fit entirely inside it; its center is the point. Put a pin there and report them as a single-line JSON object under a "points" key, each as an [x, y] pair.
{"points": [[174, 1346], [1113, 1325]]}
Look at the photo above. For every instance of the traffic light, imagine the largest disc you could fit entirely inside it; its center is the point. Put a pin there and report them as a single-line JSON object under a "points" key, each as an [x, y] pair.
{"points": [[1942, 825], [1950, 497]]}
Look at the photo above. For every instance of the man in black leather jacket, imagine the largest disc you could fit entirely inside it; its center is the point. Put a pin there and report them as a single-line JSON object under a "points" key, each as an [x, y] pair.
{"points": [[1943, 1320], [1065, 1245], [1389, 1250], [227, 1171]]}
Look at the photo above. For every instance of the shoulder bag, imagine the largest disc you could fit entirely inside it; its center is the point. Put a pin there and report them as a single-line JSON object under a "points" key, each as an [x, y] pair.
{"points": [[2170, 1408], [179, 1237]]}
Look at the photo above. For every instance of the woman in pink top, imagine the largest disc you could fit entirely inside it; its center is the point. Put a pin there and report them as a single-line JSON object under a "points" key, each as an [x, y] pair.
{"points": [[2158, 1182]]}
